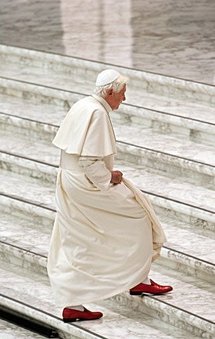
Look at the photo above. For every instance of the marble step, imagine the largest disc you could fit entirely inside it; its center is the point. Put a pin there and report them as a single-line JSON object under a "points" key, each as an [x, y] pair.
{"points": [[165, 154], [155, 182], [30, 197], [197, 318], [170, 155], [8, 330], [179, 248], [69, 73], [31, 101], [181, 251], [174, 197], [118, 322]]}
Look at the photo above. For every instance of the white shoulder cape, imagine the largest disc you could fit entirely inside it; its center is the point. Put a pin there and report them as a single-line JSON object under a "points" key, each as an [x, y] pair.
{"points": [[87, 129]]}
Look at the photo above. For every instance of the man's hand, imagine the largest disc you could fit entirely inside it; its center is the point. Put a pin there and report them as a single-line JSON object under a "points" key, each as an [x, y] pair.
{"points": [[116, 177]]}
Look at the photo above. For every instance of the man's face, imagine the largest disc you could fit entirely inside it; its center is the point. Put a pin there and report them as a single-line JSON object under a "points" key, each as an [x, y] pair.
{"points": [[118, 98]]}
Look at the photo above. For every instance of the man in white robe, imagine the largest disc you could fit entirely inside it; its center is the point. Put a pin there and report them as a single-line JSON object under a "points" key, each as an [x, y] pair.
{"points": [[106, 233]]}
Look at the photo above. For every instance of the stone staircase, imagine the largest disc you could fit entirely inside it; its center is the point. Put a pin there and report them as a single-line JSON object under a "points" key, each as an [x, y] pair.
{"points": [[165, 137]]}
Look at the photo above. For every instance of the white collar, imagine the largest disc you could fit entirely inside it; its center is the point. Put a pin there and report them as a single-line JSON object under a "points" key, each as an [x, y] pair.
{"points": [[103, 102]]}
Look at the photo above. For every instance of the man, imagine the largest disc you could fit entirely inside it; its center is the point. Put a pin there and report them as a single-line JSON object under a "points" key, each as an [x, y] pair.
{"points": [[106, 233]]}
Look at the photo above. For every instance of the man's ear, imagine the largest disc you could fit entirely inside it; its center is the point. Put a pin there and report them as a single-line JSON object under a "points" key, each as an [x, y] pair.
{"points": [[110, 91]]}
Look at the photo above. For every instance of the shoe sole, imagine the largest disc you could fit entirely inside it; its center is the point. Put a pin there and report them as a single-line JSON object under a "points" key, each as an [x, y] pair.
{"points": [[70, 320], [142, 293]]}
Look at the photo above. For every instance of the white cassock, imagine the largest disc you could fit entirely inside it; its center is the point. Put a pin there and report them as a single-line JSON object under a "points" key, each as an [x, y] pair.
{"points": [[105, 236]]}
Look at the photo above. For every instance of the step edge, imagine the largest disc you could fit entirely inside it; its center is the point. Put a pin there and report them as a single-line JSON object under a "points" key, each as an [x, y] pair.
{"points": [[97, 65], [65, 94], [51, 320]]}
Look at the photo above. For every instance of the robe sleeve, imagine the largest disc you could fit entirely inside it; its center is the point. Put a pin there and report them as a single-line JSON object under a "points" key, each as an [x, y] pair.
{"points": [[96, 171]]}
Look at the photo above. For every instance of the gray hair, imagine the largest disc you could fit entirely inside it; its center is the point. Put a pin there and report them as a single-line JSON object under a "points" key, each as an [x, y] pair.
{"points": [[116, 86]]}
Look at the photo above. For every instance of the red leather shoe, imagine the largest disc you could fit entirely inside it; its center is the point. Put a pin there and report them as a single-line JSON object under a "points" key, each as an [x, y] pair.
{"points": [[154, 288], [70, 315]]}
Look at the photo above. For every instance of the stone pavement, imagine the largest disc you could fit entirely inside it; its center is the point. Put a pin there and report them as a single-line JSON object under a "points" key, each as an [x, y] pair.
{"points": [[174, 38]]}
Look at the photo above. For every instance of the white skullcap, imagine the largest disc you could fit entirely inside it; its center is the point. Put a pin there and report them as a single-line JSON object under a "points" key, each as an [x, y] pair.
{"points": [[106, 77]]}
